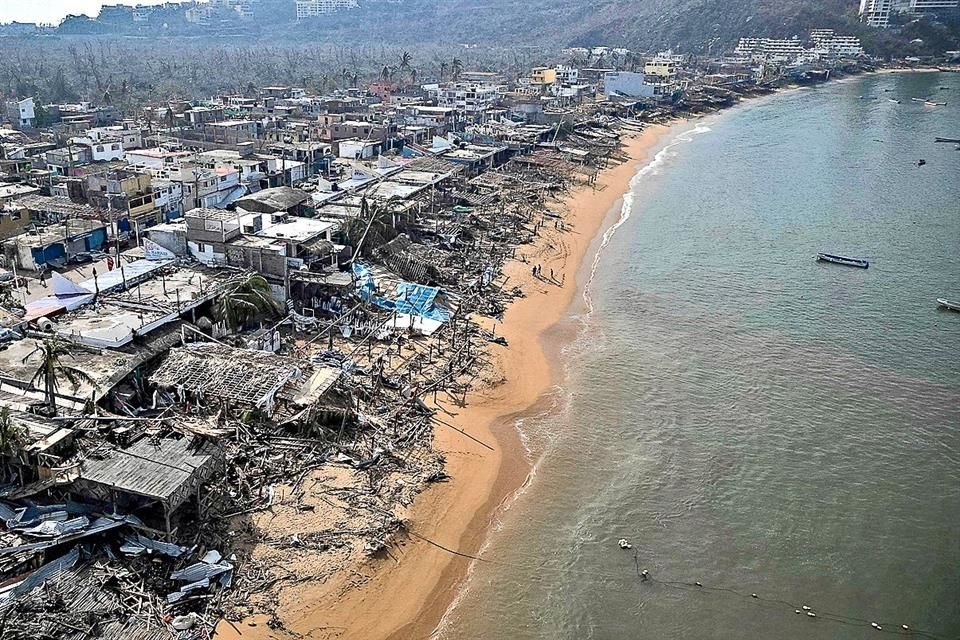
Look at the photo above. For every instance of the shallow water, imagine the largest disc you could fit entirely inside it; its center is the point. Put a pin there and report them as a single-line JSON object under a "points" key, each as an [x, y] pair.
{"points": [[747, 417]]}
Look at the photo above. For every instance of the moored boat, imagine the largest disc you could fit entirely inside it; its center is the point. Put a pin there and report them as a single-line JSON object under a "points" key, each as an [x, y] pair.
{"points": [[844, 260], [946, 304]]}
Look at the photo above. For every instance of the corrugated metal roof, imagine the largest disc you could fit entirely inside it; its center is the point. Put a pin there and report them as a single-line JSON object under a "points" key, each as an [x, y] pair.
{"points": [[155, 470]]}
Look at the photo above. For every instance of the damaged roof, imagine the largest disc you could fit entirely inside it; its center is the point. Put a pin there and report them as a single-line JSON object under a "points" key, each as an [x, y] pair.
{"points": [[240, 375], [158, 469]]}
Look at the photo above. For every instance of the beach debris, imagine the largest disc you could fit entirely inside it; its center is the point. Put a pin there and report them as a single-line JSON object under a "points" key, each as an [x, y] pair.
{"points": [[797, 611], [624, 544]]}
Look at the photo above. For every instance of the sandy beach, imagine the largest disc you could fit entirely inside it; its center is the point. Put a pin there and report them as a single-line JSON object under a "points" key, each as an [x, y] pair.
{"points": [[406, 594]]}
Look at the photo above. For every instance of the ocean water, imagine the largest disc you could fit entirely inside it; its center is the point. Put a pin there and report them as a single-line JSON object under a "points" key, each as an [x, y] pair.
{"points": [[744, 416]]}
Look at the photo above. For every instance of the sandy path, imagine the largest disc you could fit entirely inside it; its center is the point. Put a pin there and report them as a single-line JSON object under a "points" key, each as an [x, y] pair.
{"points": [[405, 596]]}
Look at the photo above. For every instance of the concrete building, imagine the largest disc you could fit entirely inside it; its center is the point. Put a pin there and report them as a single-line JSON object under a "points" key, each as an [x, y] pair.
{"points": [[62, 161], [933, 6], [567, 75], [543, 75], [627, 83], [21, 113], [662, 68], [102, 149], [770, 49], [876, 13], [470, 98], [357, 149], [310, 9], [826, 43], [125, 195]]}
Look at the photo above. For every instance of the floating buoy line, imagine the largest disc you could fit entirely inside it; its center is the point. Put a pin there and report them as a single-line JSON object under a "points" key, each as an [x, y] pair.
{"points": [[645, 578]]}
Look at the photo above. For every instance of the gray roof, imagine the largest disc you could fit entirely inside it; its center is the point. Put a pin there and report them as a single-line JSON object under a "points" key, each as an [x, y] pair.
{"points": [[273, 200], [239, 375], [154, 469], [211, 214]]}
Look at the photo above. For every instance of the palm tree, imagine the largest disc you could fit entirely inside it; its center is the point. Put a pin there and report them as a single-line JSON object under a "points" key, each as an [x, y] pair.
{"points": [[405, 61], [376, 225], [51, 369], [444, 67], [385, 73], [456, 68], [244, 298]]}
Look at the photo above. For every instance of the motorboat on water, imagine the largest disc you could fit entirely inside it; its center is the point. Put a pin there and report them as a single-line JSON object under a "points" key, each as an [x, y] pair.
{"points": [[844, 260], [947, 304], [893, 101]]}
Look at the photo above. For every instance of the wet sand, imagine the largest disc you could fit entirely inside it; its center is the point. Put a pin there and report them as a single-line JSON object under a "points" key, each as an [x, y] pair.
{"points": [[405, 595]]}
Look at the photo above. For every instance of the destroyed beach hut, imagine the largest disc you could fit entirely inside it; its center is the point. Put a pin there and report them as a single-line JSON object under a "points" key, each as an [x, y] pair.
{"points": [[208, 376], [153, 471]]}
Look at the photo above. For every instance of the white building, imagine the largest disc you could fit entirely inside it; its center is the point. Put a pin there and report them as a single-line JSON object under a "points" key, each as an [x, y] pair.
{"points": [[102, 150], [308, 9], [22, 113], [168, 197], [876, 13], [356, 149], [627, 83], [468, 97], [567, 75], [920, 6], [769, 49], [826, 43]]}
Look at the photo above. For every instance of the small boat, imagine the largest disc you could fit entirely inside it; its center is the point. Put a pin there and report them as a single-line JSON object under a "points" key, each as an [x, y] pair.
{"points": [[893, 101], [919, 99], [931, 103], [946, 304], [850, 262]]}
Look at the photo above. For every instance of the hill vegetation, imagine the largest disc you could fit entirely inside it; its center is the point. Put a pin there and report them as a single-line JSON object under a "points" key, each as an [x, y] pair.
{"points": [[686, 25]]}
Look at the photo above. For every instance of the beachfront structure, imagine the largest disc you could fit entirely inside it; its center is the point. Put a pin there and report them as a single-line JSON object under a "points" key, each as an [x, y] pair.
{"points": [[876, 13], [662, 68], [769, 49], [826, 43], [627, 83]]}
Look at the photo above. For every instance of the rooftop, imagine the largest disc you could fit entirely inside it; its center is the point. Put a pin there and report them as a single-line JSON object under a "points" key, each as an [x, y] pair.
{"points": [[297, 229], [211, 214], [164, 470], [236, 375], [275, 199]]}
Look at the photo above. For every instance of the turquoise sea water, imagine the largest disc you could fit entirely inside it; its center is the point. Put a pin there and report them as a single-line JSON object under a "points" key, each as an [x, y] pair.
{"points": [[744, 416]]}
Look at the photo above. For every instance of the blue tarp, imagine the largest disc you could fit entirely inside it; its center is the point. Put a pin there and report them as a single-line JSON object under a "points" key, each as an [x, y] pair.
{"points": [[418, 300], [411, 298]]}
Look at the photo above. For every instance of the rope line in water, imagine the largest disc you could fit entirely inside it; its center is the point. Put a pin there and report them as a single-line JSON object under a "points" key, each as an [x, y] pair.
{"points": [[645, 578]]}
